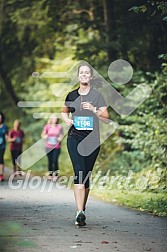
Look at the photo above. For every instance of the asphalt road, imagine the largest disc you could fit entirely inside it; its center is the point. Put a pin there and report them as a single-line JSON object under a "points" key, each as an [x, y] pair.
{"points": [[42, 219]]}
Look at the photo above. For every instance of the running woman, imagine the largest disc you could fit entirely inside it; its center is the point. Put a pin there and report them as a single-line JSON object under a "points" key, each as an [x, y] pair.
{"points": [[53, 133], [3, 137], [16, 138], [82, 110]]}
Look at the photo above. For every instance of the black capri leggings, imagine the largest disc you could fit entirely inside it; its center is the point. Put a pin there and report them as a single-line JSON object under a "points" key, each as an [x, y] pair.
{"points": [[2, 151], [53, 156], [15, 154], [82, 165]]}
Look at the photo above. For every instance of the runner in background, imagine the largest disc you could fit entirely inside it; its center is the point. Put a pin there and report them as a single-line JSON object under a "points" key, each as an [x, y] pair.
{"points": [[82, 111], [3, 137], [53, 133], [16, 138]]}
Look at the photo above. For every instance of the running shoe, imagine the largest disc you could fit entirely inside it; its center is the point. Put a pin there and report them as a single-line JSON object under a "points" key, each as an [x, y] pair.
{"points": [[79, 225], [55, 178], [80, 219], [2, 178], [20, 173]]}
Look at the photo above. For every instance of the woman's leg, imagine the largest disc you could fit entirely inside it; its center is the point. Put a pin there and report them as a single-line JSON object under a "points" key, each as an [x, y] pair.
{"points": [[78, 162], [2, 171], [2, 166], [18, 165], [49, 156], [56, 153], [79, 193], [89, 161], [87, 190], [13, 155], [18, 157]]}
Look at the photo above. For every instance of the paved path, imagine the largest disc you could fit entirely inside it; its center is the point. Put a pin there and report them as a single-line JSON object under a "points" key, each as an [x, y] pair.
{"points": [[31, 220]]}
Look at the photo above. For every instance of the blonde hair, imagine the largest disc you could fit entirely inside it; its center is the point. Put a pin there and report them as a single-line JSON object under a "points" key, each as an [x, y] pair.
{"points": [[51, 117], [17, 123]]}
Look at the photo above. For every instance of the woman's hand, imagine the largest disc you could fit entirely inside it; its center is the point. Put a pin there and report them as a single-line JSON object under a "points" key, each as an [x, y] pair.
{"points": [[88, 105], [10, 139], [65, 116], [44, 134], [69, 122]]}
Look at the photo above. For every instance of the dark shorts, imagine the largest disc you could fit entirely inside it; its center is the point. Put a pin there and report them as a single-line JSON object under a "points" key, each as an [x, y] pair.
{"points": [[82, 165], [15, 154], [2, 151]]}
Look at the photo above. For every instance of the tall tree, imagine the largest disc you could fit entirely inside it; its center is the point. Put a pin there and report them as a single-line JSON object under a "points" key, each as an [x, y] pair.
{"points": [[25, 34]]}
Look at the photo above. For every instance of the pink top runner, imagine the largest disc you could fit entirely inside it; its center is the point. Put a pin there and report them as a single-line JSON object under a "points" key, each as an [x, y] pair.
{"points": [[53, 132]]}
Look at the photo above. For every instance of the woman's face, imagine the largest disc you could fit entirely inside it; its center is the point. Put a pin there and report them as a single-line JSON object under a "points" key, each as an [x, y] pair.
{"points": [[53, 120], [16, 124], [84, 75]]}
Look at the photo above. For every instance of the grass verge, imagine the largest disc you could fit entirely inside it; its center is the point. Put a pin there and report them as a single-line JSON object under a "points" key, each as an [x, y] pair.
{"points": [[154, 203]]}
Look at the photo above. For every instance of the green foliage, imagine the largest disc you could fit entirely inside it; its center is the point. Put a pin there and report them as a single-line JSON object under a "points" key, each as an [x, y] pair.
{"points": [[10, 237], [145, 190], [152, 7], [144, 201], [138, 9], [137, 167], [47, 35], [145, 130]]}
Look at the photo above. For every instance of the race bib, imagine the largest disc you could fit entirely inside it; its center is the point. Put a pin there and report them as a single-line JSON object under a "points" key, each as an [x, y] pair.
{"points": [[52, 140], [1, 140], [83, 122], [18, 140]]}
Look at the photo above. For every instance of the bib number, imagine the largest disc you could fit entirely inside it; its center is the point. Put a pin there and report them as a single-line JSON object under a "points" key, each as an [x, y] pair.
{"points": [[1, 140], [52, 140], [83, 122], [18, 140]]}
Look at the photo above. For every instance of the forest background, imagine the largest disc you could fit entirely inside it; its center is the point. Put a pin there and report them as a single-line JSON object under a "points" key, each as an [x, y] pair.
{"points": [[52, 35]]}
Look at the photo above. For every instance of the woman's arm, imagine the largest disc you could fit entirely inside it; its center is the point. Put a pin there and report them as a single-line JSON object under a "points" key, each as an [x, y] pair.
{"points": [[101, 113], [44, 134], [9, 138], [61, 135], [65, 116]]}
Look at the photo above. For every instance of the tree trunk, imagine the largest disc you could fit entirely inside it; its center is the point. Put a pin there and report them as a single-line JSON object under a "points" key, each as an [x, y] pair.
{"points": [[108, 6], [8, 85]]}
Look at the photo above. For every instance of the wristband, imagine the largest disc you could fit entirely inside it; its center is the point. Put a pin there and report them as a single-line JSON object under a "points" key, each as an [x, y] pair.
{"points": [[95, 110]]}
